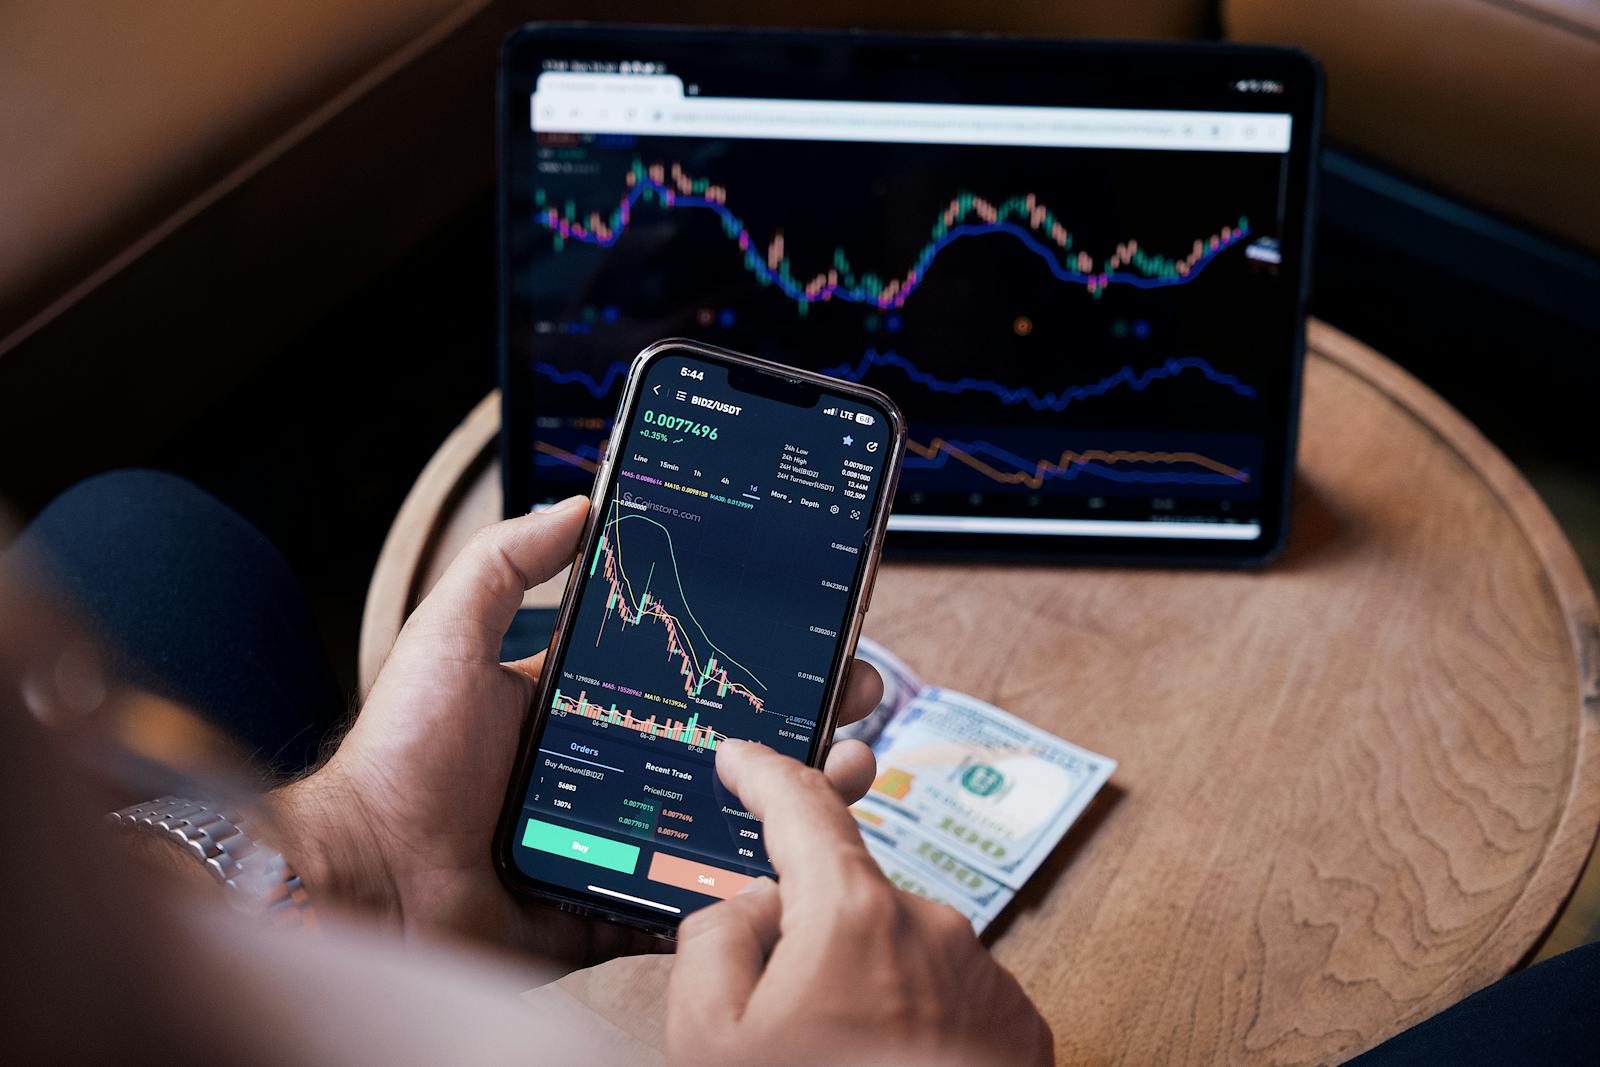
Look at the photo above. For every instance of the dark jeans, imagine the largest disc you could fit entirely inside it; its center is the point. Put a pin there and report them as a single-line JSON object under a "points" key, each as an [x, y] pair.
{"points": [[194, 604], [200, 607]]}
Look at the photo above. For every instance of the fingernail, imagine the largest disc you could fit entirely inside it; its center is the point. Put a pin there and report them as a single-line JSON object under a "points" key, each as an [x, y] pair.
{"points": [[566, 505], [756, 886], [730, 742]]}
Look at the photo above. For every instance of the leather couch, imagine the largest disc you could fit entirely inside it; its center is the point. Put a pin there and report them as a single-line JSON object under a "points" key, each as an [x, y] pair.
{"points": [[1494, 101], [119, 115]]}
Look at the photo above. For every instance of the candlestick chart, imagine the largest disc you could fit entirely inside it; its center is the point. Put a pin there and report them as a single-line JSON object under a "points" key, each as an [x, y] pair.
{"points": [[1023, 218], [650, 655], [632, 607]]}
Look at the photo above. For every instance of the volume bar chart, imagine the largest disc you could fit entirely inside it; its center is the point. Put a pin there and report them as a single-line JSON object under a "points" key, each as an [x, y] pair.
{"points": [[691, 733]]}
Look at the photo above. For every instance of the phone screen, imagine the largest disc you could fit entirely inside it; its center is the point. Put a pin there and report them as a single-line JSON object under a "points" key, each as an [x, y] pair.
{"points": [[714, 604]]}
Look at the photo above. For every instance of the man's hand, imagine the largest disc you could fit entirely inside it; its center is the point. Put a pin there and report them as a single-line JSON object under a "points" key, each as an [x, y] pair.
{"points": [[400, 819], [833, 964]]}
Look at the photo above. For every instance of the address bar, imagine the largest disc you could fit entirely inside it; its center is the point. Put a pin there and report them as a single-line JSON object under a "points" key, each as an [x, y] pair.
{"points": [[555, 111]]}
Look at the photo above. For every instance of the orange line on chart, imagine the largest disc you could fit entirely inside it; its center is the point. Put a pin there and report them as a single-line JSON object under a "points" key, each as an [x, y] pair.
{"points": [[1068, 460], [567, 457]]}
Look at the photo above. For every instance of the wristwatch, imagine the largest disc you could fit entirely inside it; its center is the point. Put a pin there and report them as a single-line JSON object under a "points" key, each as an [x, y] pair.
{"points": [[219, 838]]}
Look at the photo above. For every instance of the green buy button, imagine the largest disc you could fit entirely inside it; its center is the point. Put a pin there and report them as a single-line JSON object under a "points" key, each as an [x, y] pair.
{"points": [[577, 845]]}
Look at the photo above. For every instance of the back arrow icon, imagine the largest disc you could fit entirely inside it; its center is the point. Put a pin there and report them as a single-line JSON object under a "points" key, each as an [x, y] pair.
{"points": [[656, 390]]}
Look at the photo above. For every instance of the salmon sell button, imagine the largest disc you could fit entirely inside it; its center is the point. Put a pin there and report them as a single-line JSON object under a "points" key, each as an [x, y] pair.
{"points": [[696, 877]]}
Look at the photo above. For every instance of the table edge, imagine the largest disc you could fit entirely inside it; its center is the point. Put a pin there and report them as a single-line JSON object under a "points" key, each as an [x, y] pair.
{"points": [[1573, 838], [420, 521], [392, 591]]}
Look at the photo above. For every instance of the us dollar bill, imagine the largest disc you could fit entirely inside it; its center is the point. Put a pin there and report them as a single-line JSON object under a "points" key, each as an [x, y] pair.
{"points": [[917, 865], [980, 785]]}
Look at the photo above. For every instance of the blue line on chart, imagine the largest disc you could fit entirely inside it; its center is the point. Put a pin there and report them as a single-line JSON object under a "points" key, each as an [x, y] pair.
{"points": [[598, 387], [1006, 394], [1135, 380]]}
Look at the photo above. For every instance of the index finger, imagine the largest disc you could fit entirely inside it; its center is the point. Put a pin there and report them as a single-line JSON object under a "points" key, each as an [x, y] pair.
{"points": [[811, 838]]}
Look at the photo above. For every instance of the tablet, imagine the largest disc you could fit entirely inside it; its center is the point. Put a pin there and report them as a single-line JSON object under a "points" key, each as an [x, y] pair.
{"points": [[1080, 268]]}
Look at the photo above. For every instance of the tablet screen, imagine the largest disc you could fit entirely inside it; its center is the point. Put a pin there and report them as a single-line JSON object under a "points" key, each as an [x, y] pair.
{"points": [[1079, 271]]}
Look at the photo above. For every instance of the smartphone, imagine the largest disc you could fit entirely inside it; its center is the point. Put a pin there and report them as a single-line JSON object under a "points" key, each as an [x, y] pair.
{"points": [[734, 533]]}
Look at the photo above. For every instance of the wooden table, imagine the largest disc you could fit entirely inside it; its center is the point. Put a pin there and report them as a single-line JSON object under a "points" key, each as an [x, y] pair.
{"points": [[1352, 788]]}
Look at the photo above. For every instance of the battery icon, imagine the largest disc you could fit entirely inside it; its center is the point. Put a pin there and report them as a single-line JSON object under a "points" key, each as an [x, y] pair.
{"points": [[864, 419]]}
